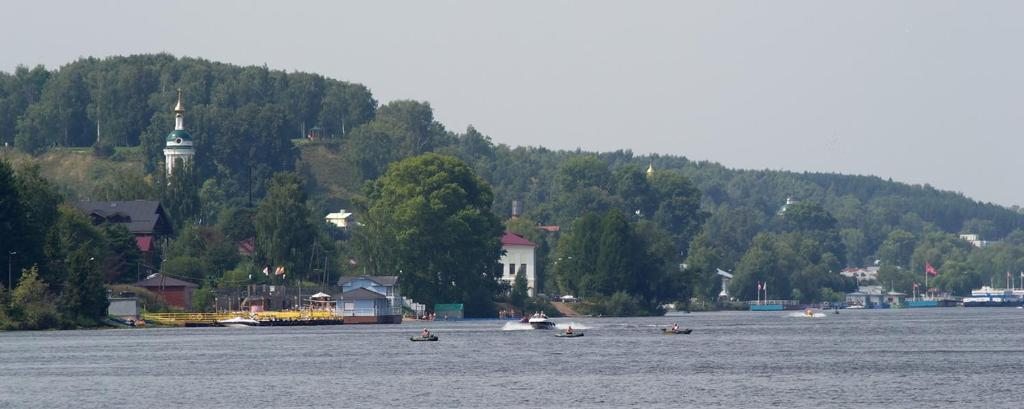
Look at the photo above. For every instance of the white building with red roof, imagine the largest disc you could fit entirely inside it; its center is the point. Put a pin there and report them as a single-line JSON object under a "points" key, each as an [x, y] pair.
{"points": [[518, 259]]}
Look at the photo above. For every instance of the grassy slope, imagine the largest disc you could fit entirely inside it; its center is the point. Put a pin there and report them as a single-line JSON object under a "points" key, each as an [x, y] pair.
{"points": [[77, 171]]}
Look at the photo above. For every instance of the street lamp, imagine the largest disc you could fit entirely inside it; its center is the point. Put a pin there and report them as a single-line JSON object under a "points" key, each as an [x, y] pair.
{"points": [[10, 254]]}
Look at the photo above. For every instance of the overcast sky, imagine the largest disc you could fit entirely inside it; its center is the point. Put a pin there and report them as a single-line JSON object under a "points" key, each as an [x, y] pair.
{"points": [[917, 91]]}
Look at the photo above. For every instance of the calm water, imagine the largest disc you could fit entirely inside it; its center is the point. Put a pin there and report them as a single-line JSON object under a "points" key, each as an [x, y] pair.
{"points": [[928, 358]]}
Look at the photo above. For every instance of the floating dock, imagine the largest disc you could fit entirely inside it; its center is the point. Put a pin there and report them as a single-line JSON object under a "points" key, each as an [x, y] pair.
{"points": [[265, 318]]}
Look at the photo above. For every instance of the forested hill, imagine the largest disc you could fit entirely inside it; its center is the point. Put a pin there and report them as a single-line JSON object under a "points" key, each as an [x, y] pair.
{"points": [[252, 122]]}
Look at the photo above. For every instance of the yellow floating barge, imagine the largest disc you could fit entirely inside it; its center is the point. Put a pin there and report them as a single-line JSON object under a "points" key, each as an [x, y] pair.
{"points": [[265, 318]]}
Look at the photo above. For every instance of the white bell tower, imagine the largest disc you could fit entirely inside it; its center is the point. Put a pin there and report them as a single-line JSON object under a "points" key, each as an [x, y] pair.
{"points": [[179, 141]]}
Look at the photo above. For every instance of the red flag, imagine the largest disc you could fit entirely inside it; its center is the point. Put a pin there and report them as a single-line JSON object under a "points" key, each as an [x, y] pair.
{"points": [[929, 269], [279, 271]]}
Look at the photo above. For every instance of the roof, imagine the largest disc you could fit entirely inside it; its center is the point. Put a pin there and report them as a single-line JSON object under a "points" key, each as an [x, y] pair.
{"points": [[339, 215], [179, 134], [139, 216], [387, 281], [159, 280], [361, 294], [512, 239], [247, 247]]}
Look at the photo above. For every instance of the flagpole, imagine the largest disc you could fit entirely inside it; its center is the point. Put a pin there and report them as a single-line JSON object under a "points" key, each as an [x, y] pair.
{"points": [[927, 289]]}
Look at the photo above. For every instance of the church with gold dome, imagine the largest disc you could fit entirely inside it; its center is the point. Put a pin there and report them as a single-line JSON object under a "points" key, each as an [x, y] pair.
{"points": [[179, 141]]}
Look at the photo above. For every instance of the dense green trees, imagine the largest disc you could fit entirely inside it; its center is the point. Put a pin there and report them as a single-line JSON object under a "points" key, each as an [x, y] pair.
{"points": [[284, 232], [58, 258], [625, 234], [429, 219], [601, 256], [798, 261]]}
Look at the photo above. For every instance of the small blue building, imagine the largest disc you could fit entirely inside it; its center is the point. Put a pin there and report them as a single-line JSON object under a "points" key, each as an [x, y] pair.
{"points": [[370, 300]]}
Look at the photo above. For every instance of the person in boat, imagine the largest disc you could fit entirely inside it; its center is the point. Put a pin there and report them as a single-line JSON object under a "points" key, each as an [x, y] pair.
{"points": [[675, 327], [568, 331], [425, 333]]}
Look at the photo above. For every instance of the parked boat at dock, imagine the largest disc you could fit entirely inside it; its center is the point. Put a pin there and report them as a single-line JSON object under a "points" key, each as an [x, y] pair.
{"points": [[994, 297], [238, 322]]}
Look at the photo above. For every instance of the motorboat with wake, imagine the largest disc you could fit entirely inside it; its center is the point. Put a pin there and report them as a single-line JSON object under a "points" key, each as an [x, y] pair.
{"points": [[238, 322], [540, 321]]}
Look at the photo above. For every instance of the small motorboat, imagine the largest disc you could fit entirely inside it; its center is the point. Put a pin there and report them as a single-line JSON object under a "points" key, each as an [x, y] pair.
{"points": [[431, 337], [541, 321], [573, 334], [238, 322], [670, 331]]}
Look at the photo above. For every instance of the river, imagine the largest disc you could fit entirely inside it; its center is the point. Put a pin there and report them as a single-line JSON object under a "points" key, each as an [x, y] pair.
{"points": [[923, 358]]}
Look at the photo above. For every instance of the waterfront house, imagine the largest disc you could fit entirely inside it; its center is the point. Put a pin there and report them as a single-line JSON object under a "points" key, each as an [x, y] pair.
{"points": [[518, 258], [874, 296], [370, 300], [176, 293], [144, 219]]}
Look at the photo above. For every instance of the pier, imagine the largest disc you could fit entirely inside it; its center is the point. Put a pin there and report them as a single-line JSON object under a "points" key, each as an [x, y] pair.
{"points": [[265, 318]]}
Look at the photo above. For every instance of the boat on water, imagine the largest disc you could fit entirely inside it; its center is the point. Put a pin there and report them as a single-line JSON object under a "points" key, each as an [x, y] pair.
{"points": [[994, 297], [540, 321], [432, 337], [238, 322], [569, 334], [681, 331]]}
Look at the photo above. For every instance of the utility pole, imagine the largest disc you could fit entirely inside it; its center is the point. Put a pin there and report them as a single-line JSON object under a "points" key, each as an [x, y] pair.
{"points": [[10, 285]]}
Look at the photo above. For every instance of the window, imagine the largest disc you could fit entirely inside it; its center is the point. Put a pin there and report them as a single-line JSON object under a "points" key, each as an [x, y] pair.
{"points": [[511, 269], [522, 268]]}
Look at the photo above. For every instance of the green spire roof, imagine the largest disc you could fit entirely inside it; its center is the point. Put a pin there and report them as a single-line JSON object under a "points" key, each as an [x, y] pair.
{"points": [[179, 134]]}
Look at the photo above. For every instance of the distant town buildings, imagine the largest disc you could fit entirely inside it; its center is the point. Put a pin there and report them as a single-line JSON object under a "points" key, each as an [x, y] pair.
{"points": [[789, 202], [340, 219], [975, 240], [861, 274]]}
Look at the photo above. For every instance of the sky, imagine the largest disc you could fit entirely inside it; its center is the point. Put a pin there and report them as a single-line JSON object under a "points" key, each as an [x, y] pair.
{"points": [[917, 91]]}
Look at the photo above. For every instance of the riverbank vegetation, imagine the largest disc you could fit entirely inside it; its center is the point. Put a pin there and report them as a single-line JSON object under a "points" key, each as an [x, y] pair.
{"points": [[276, 151]]}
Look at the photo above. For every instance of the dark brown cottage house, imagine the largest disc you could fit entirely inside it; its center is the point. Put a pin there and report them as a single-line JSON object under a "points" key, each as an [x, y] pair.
{"points": [[145, 219]]}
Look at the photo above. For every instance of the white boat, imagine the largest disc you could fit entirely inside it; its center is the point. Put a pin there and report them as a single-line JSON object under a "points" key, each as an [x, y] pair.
{"points": [[541, 321], [237, 322], [994, 297]]}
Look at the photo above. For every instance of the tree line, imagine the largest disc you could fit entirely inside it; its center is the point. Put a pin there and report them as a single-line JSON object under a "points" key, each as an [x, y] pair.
{"points": [[628, 239]]}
